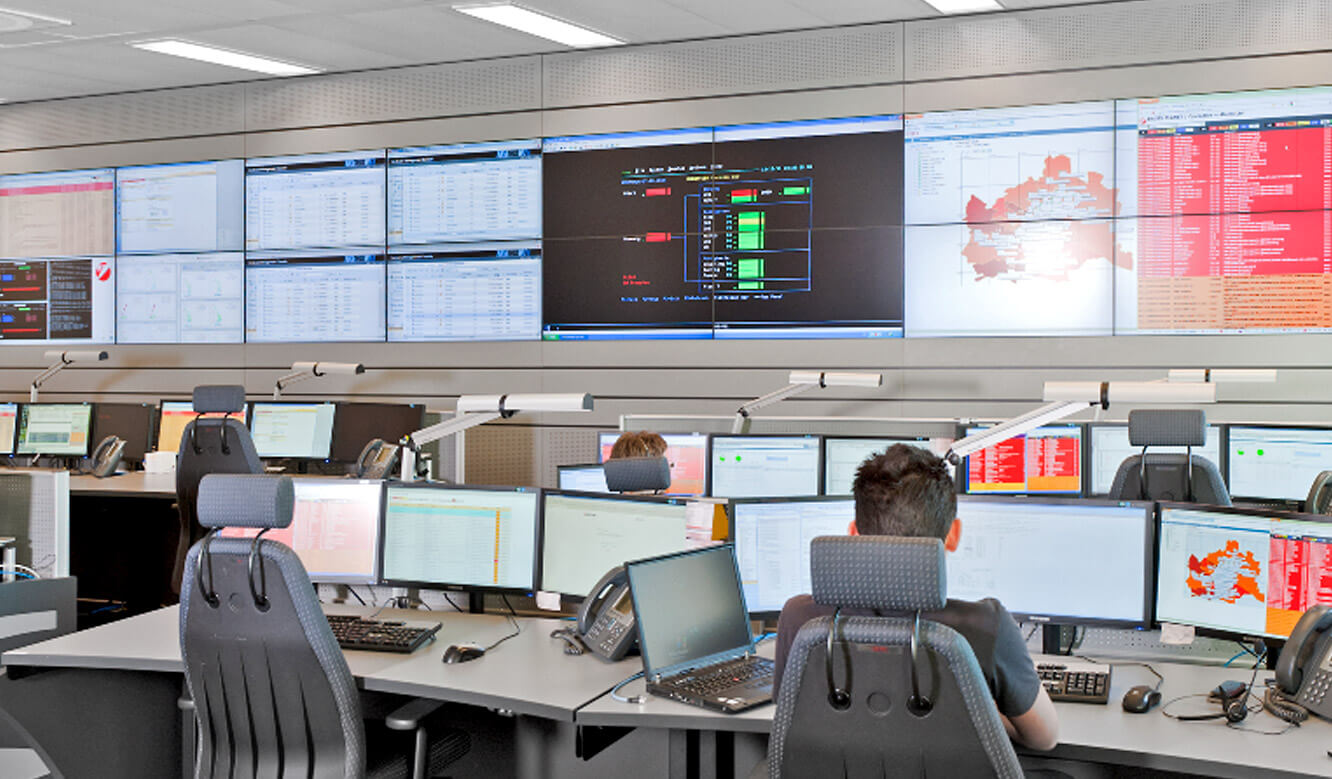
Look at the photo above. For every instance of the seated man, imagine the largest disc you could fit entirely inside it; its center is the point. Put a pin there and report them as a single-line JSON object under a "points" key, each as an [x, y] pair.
{"points": [[907, 491], [634, 443]]}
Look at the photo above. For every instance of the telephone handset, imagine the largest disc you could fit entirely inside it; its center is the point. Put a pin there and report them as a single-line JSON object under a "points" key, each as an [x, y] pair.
{"points": [[606, 618], [106, 456], [377, 460], [1304, 670]]}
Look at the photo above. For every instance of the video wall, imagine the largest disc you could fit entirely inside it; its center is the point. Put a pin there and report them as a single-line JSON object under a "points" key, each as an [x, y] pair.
{"points": [[1189, 214]]}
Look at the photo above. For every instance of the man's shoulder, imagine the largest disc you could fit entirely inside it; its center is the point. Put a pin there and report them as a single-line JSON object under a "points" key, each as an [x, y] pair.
{"points": [[967, 616]]}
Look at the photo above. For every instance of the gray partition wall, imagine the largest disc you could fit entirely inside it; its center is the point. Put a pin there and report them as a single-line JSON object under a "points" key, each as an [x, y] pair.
{"points": [[1041, 55]]}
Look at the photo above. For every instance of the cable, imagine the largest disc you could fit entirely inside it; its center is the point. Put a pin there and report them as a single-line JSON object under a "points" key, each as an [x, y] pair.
{"points": [[513, 620], [24, 574], [615, 691], [357, 597], [31, 573], [1159, 678], [1032, 633], [455, 606]]}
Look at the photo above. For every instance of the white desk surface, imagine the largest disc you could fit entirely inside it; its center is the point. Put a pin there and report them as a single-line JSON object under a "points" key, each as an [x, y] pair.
{"points": [[131, 483]]}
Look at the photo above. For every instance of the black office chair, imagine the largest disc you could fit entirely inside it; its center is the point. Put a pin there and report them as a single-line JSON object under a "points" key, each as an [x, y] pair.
{"points": [[272, 693], [212, 445], [1181, 477], [884, 696], [637, 474], [1320, 494]]}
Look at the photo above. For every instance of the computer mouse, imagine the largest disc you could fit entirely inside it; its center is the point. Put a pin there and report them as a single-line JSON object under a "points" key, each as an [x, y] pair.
{"points": [[1141, 698], [461, 653]]}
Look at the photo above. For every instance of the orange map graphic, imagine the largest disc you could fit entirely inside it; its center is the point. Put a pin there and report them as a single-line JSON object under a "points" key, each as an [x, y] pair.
{"points": [[1225, 575], [1019, 250]]}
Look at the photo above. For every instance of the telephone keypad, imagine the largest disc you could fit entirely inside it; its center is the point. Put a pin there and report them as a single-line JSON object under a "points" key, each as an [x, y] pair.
{"points": [[1315, 689]]}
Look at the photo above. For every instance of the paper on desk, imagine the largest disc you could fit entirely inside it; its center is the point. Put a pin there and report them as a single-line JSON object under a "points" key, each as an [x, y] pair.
{"points": [[698, 524], [1173, 634], [548, 601]]}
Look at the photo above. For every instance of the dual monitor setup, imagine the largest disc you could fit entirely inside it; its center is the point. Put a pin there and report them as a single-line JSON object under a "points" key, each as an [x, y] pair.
{"points": [[299, 430], [1273, 464]]}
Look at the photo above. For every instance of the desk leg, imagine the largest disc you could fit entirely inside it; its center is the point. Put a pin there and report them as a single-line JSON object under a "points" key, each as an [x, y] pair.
{"points": [[712, 754]]}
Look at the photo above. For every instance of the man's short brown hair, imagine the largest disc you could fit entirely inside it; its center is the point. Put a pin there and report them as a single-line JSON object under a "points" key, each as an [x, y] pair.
{"points": [[906, 491], [643, 443]]}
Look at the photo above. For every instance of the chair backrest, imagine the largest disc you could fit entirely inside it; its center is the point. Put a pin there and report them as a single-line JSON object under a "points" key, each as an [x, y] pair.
{"points": [[870, 697], [272, 692], [637, 474], [1320, 494], [1187, 477]]}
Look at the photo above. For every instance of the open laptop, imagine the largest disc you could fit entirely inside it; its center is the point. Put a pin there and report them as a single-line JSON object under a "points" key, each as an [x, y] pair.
{"points": [[693, 630]]}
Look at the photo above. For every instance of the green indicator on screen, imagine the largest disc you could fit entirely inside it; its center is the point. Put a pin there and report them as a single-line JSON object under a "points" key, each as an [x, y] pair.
{"points": [[795, 190]]}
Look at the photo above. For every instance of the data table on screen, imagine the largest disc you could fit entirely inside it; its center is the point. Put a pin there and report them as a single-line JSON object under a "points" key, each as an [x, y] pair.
{"points": [[184, 207], [470, 192], [772, 540], [54, 428], [315, 201], [69, 299], [765, 466], [485, 293], [585, 536], [60, 214], [333, 298], [292, 429], [1044, 460], [8, 425], [181, 298], [1277, 462]]}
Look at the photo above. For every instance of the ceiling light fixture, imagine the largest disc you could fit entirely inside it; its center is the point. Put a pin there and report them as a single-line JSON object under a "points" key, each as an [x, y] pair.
{"points": [[226, 57], [13, 20], [964, 6], [538, 24]]}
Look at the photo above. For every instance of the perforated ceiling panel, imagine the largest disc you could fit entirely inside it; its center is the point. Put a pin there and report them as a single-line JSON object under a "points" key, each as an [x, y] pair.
{"points": [[1127, 33], [452, 89], [170, 113], [769, 63]]}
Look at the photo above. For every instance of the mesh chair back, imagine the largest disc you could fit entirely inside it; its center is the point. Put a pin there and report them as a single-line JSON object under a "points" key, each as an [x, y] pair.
{"points": [[1188, 478], [637, 474]]}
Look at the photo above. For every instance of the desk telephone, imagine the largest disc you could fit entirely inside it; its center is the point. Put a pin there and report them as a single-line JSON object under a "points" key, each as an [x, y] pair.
{"points": [[106, 456], [1304, 669], [606, 618], [377, 460]]}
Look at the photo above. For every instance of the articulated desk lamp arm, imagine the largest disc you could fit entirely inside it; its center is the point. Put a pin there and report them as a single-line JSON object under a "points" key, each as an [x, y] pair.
{"points": [[801, 381], [300, 371], [61, 360]]}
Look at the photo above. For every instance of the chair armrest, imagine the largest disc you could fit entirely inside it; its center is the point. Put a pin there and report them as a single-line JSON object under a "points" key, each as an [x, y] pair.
{"points": [[409, 715]]}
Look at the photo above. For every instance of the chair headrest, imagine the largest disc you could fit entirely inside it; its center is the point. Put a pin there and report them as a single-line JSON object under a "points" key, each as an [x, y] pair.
{"points": [[889, 573], [219, 399], [635, 474], [1167, 427], [245, 500]]}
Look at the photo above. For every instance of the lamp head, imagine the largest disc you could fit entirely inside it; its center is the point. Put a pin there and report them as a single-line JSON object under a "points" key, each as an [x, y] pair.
{"points": [[76, 356], [542, 401], [836, 379], [327, 368]]}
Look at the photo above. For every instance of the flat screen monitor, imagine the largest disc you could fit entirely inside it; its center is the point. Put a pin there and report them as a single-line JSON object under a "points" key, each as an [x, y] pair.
{"points": [[772, 538], [582, 478], [1108, 446], [181, 207], [1277, 463], [1085, 562], [356, 424], [130, 422], [842, 457], [8, 426], [460, 538], [1044, 461], [302, 430], [174, 415], [54, 428], [180, 298], [765, 466], [452, 193], [325, 297], [334, 530], [333, 201], [487, 292], [1241, 572], [686, 452], [586, 535]]}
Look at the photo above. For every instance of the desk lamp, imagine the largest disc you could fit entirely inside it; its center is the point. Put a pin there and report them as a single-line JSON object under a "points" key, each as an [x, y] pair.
{"points": [[801, 381], [61, 360], [300, 371]]}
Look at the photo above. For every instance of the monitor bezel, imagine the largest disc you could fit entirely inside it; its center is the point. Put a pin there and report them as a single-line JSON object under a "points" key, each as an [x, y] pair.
{"points": [[823, 454], [963, 474], [576, 597], [712, 440], [250, 418], [560, 469], [22, 418], [335, 436], [457, 586], [1151, 517], [1297, 506], [13, 434], [1089, 453], [150, 434]]}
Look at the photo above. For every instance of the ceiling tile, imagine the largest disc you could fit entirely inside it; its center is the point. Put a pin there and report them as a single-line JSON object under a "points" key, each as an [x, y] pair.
{"points": [[746, 16]]}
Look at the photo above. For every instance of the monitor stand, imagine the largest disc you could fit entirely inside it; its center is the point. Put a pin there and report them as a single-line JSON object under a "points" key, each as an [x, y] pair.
{"points": [[476, 603], [1057, 639]]}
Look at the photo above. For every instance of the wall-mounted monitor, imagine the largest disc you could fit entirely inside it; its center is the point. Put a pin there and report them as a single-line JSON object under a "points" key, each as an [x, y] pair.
{"points": [[68, 213], [316, 201], [465, 192], [686, 452], [461, 538], [485, 292], [1108, 447], [8, 427], [180, 298], [58, 300], [335, 297], [54, 428], [765, 466], [292, 429], [1046, 460], [1277, 462], [772, 538], [181, 207]]}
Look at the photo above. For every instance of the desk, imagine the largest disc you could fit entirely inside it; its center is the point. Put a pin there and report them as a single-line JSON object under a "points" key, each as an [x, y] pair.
{"points": [[134, 483]]}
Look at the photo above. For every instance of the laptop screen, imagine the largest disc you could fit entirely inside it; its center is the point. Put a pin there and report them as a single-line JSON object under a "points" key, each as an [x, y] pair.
{"points": [[689, 607]]}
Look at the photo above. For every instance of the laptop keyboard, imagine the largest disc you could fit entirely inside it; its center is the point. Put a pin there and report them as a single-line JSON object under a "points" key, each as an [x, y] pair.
{"points": [[742, 672], [374, 635]]}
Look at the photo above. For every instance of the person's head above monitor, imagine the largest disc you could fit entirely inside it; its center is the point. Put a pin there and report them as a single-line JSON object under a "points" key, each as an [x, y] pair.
{"points": [[638, 443], [907, 491]]}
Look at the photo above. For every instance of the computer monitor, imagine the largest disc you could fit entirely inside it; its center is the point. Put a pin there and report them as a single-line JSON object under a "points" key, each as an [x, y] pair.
{"points": [[582, 478], [765, 466], [586, 535], [1277, 463], [772, 538], [1045, 461], [301, 430], [1085, 562], [1108, 446], [174, 415], [334, 529], [842, 456], [356, 424], [130, 422], [1240, 572], [686, 452], [460, 538], [8, 426], [54, 428]]}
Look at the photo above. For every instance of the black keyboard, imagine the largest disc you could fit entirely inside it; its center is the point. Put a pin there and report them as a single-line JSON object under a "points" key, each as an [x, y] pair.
{"points": [[1075, 682], [378, 635], [745, 672]]}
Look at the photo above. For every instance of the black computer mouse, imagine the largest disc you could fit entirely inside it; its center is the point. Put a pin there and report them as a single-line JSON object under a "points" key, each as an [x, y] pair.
{"points": [[1141, 699], [461, 653]]}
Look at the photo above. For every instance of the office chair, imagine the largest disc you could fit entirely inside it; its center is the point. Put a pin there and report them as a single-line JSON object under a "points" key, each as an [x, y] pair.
{"points": [[1182, 477], [272, 693], [637, 474], [216, 445], [871, 697], [1320, 494]]}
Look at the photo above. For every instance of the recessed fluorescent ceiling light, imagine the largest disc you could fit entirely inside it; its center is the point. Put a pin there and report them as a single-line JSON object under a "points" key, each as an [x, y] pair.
{"points": [[231, 59], [538, 24], [965, 6]]}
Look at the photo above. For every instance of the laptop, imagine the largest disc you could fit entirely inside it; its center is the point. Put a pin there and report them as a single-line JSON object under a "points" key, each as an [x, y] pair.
{"points": [[693, 630]]}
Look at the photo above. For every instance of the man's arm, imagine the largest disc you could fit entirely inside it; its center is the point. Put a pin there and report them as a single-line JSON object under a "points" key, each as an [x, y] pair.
{"points": [[1037, 727]]}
